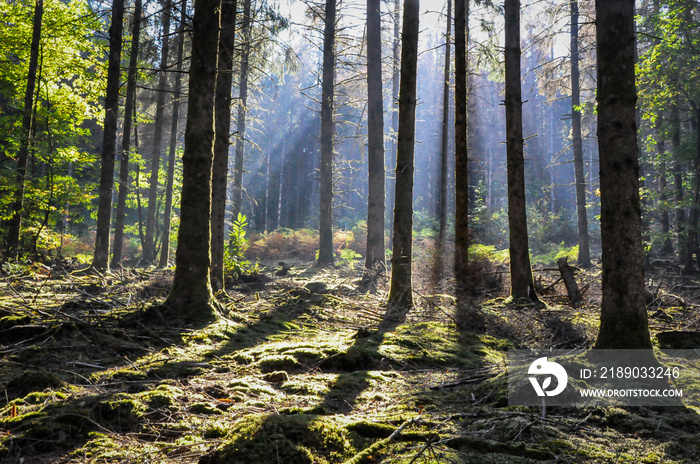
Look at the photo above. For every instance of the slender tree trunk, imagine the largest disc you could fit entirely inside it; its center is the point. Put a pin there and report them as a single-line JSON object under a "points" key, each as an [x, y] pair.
{"points": [[584, 255], [100, 260], [623, 314], [325, 244], [172, 150], [375, 132], [126, 138], [441, 207], [391, 184], [191, 295], [400, 292], [221, 145], [667, 246], [149, 252], [520, 272], [242, 111], [15, 222], [678, 185], [695, 206], [461, 155]]}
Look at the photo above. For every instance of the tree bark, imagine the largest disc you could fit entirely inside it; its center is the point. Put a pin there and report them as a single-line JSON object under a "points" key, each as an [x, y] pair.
{"points": [[242, 111], [172, 149], [191, 295], [149, 252], [325, 244], [15, 223], [441, 207], [126, 138], [678, 184], [521, 282], [391, 181], [224, 82], [100, 260], [375, 135], [667, 246], [695, 206], [461, 155], [584, 255], [400, 292], [567, 274], [623, 318]]}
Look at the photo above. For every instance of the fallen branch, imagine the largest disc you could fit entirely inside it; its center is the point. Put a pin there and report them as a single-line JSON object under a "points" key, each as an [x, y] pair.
{"points": [[363, 455]]}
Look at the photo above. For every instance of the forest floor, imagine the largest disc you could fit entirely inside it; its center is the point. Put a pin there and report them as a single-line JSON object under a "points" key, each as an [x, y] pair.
{"points": [[304, 368]]}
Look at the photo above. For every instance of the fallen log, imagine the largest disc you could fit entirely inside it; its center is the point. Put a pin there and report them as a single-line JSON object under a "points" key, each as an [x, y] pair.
{"points": [[567, 274]]}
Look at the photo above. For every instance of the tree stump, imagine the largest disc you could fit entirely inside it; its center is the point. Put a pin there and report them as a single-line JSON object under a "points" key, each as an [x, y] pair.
{"points": [[567, 274]]}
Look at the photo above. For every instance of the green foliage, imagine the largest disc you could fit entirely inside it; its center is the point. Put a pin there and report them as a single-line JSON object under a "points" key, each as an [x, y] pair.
{"points": [[235, 263], [348, 257], [478, 252]]}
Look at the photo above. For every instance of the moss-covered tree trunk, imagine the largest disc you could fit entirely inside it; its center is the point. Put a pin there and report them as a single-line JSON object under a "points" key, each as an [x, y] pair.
{"points": [[325, 233], [584, 255], [521, 284], [224, 81], [100, 260], [401, 292], [15, 222], [623, 318], [172, 148], [149, 251], [126, 138], [461, 155], [191, 295], [375, 133]]}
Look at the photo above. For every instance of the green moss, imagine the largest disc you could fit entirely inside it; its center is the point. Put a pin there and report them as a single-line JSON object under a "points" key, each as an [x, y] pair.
{"points": [[299, 439], [30, 381], [273, 363], [120, 413], [13, 320], [163, 397], [204, 408]]}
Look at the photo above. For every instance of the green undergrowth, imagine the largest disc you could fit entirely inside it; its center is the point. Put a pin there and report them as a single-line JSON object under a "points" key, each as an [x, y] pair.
{"points": [[298, 376]]}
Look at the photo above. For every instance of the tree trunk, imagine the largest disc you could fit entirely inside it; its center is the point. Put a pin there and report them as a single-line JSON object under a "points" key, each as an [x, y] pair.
{"points": [[100, 260], [129, 103], [400, 292], [441, 207], [242, 111], [520, 272], [15, 223], [678, 184], [325, 244], [695, 206], [461, 155], [221, 145], [391, 184], [584, 255], [172, 150], [375, 136], [667, 246], [623, 318], [149, 252], [191, 295]]}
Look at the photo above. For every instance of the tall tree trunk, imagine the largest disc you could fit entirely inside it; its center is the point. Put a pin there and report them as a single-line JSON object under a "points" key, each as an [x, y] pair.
{"points": [[375, 134], [191, 295], [623, 314], [224, 81], [172, 149], [15, 223], [400, 292], [461, 155], [100, 260], [126, 138], [584, 255], [678, 185], [441, 207], [391, 184], [242, 111], [149, 252], [695, 205], [521, 283], [667, 246], [325, 244]]}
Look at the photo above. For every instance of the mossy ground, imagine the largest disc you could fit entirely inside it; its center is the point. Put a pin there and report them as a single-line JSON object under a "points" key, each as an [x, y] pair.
{"points": [[89, 374]]}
